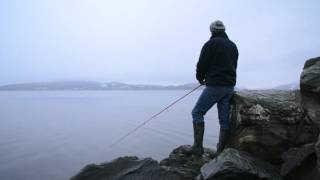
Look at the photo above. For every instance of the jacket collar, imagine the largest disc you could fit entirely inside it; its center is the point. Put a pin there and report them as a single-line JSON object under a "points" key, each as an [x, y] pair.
{"points": [[219, 35]]}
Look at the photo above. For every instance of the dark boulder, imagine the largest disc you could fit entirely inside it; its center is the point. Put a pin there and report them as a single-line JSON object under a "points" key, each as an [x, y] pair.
{"points": [[310, 96], [300, 163], [126, 168], [309, 80], [310, 89], [232, 164], [317, 147], [187, 165]]}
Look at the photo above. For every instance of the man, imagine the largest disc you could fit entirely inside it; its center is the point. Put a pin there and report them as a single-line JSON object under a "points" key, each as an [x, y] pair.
{"points": [[216, 69]]}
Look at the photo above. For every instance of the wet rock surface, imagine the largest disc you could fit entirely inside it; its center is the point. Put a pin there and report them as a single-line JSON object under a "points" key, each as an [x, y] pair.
{"points": [[232, 164]]}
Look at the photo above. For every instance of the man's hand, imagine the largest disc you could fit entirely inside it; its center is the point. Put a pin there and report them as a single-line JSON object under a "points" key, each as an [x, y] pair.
{"points": [[200, 78], [202, 82]]}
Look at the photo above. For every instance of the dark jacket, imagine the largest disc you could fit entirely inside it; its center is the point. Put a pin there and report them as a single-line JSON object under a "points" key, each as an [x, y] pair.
{"points": [[218, 61]]}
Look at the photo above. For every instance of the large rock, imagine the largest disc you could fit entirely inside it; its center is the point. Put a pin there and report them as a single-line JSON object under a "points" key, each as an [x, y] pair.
{"points": [[310, 89], [269, 122], [310, 96], [232, 164], [317, 147], [188, 166], [300, 163], [311, 102], [310, 77], [126, 168]]}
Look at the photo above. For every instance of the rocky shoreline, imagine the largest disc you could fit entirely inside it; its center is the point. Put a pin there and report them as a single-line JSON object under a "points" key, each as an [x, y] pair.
{"points": [[275, 136]]}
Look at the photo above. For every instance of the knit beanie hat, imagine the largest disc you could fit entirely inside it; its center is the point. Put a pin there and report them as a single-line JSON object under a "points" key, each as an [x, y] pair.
{"points": [[217, 26]]}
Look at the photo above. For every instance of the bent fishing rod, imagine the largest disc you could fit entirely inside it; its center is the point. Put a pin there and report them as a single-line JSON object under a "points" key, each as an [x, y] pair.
{"points": [[152, 117]]}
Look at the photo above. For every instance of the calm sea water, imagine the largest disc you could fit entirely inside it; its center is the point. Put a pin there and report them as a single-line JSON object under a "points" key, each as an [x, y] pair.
{"points": [[53, 134]]}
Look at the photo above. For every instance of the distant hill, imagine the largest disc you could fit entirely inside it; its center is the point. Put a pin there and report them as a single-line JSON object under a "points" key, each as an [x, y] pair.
{"points": [[94, 85], [91, 85], [291, 86]]}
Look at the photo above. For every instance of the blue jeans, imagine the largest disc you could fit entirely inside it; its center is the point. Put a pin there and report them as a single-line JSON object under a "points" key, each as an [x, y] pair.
{"points": [[209, 97]]}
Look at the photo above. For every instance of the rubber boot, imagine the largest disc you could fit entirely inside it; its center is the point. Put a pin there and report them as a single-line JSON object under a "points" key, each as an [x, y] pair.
{"points": [[198, 131], [223, 138]]}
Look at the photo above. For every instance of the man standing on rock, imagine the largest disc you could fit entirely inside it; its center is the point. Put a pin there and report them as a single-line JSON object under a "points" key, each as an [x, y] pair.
{"points": [[216, 69]]}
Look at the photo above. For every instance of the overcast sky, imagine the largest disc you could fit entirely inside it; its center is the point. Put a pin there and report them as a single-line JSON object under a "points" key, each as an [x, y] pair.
{"points": [[153, 42]]}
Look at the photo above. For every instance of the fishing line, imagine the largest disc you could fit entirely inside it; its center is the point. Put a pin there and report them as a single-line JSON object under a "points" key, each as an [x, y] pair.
{"points": [[152, 117]]}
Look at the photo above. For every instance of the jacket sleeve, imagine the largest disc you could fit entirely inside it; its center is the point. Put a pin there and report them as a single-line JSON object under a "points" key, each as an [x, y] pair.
{"points": [[202, 63], [237, 56]]}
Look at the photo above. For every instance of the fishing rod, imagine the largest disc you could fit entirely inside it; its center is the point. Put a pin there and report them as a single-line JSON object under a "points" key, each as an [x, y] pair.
{"points": [[152, 117]]}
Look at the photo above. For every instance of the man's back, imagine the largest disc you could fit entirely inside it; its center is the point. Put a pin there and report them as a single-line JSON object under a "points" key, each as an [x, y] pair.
{"points": [[218, 61]]}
